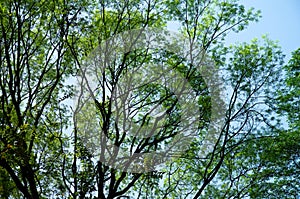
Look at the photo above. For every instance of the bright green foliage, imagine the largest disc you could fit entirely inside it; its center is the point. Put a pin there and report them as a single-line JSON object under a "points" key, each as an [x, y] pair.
{"points": [[290, 98], [279, 159], [251, 71], [43, 149], [35, 63], [266, 163]]}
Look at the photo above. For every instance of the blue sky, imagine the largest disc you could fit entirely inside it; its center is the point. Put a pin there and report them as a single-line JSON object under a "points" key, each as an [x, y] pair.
{"points": [[280, 20]]}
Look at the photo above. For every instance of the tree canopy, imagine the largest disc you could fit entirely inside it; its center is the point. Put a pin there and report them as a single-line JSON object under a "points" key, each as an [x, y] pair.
{"points": [[95, 95]]}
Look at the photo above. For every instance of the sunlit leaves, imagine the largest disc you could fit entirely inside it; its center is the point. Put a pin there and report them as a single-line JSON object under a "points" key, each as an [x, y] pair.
{"points": [[44, 43]]}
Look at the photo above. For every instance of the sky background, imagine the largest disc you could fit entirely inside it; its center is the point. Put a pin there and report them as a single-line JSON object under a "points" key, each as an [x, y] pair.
{"points": [[280, 20]]}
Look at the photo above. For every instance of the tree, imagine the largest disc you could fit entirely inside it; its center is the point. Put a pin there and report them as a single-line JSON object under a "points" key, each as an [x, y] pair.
{"points": [[252, 70], [281, 153], [35, 62], [44, 44], [266, 163], [290, 96], [116, 183]]}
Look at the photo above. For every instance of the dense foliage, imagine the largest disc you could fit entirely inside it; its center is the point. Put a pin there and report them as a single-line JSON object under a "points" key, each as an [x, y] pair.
{"points": [[44, 141]]}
